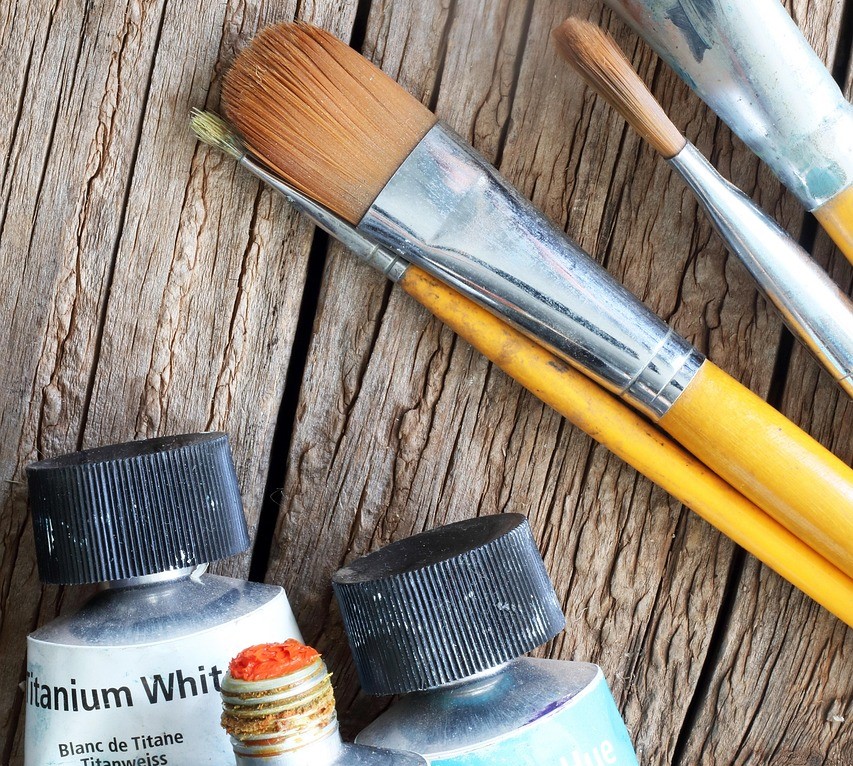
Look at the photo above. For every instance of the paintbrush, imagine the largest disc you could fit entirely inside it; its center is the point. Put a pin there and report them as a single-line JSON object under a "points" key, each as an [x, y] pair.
{"points": [[335, 126], [577, 398], [751, 64], [811, 304]]}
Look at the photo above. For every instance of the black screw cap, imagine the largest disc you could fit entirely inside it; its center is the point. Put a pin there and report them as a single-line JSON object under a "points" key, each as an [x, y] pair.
{"points": [[446, 604], [135, 509]]}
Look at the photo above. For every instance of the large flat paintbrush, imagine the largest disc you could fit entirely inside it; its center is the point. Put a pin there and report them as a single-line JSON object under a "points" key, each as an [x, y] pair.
{"points": [[584, 403], [751, 64], [337, 128], [811, 304]]}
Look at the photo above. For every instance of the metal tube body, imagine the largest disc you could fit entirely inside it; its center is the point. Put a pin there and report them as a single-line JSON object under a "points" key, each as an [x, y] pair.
{"points": [[811, 304], [447, 210], [751, 64]]}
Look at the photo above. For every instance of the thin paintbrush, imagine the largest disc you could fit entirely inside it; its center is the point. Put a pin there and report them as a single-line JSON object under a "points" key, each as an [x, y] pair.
{"points": [[580, 400], [751, 64], [339, 129], [811, 304]]}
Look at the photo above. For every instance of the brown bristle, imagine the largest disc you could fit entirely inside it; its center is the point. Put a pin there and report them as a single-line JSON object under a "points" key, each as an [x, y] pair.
{"points": [[600, 61], [326, 119]]}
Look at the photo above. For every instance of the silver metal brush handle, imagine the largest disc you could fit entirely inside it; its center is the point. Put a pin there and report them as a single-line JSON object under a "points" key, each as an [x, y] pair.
{"points": [[811, 304], [390, 264], [450, 212]]}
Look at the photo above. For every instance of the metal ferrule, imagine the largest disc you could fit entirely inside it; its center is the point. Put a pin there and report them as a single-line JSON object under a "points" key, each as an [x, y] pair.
{"points": [[751, 64], [153, 579], [390, 264], [811, 304], [447, 210]]}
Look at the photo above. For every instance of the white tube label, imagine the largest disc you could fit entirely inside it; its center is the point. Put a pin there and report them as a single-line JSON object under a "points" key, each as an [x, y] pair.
{"points": [[152, 704]]}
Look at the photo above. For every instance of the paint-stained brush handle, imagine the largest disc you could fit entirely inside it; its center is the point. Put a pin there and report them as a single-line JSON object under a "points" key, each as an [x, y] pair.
{"points": [[751, 64], [767, 458], [836, 217], [640, 444]]}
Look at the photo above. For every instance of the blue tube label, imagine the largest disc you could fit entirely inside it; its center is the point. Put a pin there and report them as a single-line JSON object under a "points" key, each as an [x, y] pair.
{"points": [[586, 730]]}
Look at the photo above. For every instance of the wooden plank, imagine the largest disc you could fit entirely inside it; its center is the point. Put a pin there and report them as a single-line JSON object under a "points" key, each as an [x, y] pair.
{"points": [[359, 426], [161, 290], [401, 427], [161, 287], [73, 125]]}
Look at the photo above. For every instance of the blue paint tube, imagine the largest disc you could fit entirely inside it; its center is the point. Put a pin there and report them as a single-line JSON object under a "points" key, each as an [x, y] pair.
{"points": [[444, 619]]}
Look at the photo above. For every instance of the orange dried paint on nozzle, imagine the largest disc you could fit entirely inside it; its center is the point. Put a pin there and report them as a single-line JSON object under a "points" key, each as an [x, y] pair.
{"points": [[263, 661]]}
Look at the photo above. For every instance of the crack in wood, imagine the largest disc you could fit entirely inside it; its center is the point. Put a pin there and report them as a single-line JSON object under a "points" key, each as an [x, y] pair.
{"points": [[644, 602]]}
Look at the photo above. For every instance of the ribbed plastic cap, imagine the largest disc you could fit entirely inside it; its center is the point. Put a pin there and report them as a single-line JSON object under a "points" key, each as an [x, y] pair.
{"points": [[446, 604], [135, 509]]}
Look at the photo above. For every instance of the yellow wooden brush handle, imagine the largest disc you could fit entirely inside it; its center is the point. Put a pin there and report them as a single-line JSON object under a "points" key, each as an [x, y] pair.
{"points": [[639, 443], [836, 216], [767, 458]]}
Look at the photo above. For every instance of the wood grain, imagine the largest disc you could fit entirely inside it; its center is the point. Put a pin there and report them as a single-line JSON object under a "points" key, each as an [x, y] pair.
{"points": [[160, 285], [151, 287]]}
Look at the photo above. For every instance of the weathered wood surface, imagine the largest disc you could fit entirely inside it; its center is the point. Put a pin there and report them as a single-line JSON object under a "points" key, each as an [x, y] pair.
{"points": [[152, 288]]}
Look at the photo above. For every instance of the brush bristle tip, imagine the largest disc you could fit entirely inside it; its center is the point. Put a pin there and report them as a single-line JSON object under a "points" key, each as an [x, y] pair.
{"points": [[323, 117], [214, 131], [600, 61]]}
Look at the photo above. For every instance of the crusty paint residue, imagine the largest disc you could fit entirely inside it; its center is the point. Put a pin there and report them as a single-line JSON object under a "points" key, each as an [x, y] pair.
{"points": [[263, 661]]}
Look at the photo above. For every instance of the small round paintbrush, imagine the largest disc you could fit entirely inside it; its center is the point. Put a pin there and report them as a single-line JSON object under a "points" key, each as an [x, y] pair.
{"points": [[811, 304], [342, 131], [585, 404]]}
